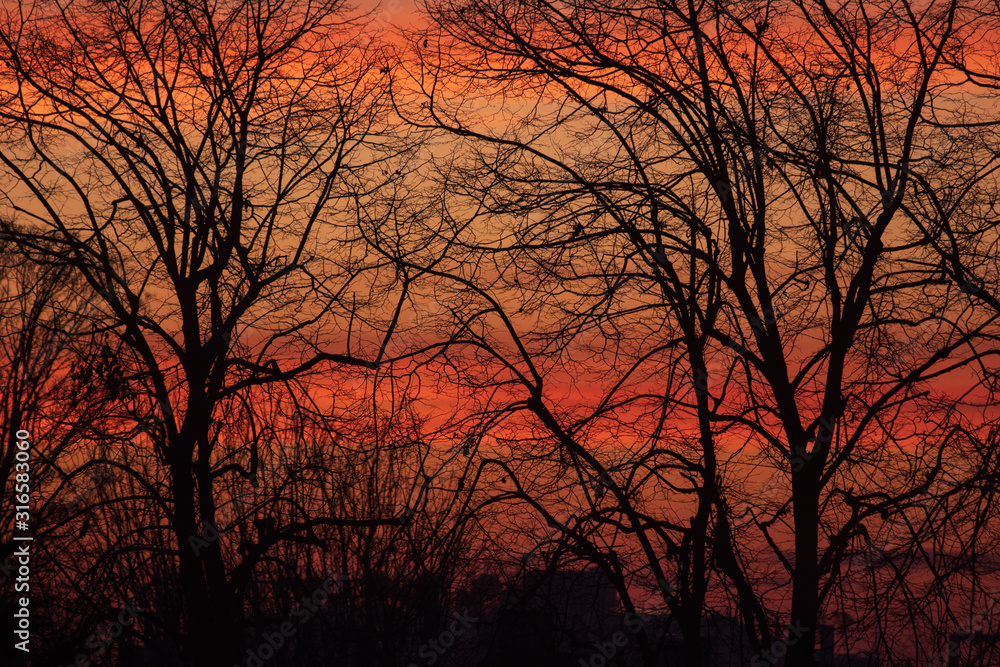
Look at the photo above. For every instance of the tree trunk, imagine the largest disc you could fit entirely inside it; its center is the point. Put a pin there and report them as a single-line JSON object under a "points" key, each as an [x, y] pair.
{"points": [[213, 633], [801, 637]]}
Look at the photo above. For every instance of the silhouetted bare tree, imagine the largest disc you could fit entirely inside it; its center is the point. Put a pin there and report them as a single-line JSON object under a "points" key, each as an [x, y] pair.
{"points": [[43, 320], [706, 215], [189, 164]]}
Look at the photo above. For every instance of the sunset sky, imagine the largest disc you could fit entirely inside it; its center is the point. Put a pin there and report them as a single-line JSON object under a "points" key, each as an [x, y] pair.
{"points": [[706, 301]]}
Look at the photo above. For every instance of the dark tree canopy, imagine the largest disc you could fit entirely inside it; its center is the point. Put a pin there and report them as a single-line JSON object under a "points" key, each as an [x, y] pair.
{"points": [[692, 302]]}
